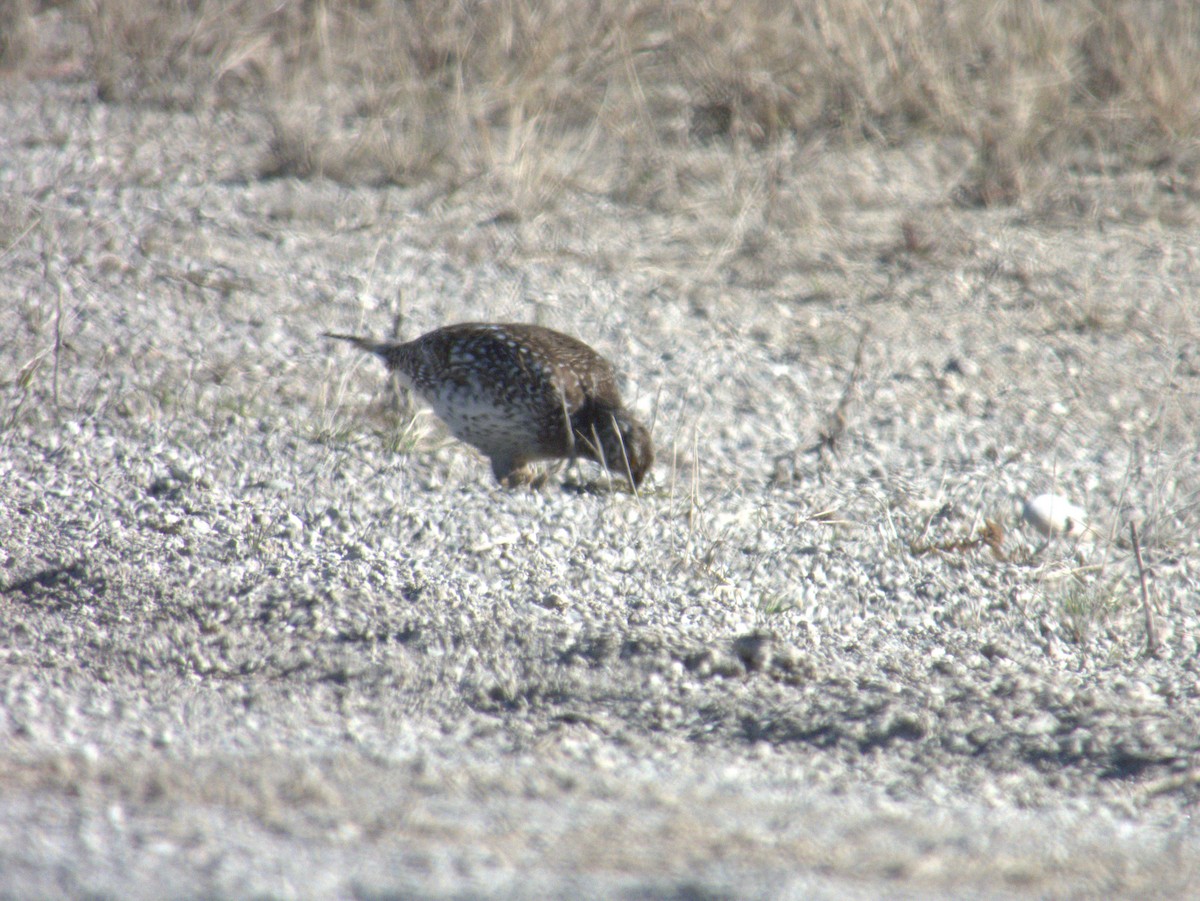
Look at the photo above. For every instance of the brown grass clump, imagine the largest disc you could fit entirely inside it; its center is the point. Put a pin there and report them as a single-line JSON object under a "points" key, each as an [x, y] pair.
{"points": [[16, 33], [535, 93]]}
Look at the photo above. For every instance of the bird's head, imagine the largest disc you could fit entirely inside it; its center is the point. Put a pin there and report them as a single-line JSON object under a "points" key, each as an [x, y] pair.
{"points": [[616, 440]]}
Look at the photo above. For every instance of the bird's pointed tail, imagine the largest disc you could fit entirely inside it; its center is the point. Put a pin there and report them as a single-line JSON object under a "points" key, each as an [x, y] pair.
{"points": [[382, 348]]}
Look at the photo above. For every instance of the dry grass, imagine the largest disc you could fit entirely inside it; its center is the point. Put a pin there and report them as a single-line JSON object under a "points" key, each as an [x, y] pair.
{"points": [[536, 94], [16, 33]]}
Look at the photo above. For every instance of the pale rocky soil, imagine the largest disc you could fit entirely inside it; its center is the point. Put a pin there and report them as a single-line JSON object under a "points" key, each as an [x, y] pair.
{"points": [[257, 639]]}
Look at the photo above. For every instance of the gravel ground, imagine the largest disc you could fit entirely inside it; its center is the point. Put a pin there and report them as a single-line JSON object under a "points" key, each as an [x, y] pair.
{"points": [[264, 632]]}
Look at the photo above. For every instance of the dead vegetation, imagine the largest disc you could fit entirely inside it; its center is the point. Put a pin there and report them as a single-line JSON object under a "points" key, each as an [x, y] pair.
{"points": [[603, 95], [16, 33]]}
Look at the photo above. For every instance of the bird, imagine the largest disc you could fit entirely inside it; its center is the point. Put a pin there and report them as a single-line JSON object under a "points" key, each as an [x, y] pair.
{"points": [[520, 393]]}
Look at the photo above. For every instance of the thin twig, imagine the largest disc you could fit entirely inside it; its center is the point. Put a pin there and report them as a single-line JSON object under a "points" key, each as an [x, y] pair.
{"points": [[58, 339], [1147, 607], [1173, 783], [398, 396], [398, 317], [54, 280], [839, 419]]}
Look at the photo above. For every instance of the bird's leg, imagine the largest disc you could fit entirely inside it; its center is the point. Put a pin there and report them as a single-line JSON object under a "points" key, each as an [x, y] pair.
{"points": [[572, 453], [513, 474], [568, 428], [501, 467]]}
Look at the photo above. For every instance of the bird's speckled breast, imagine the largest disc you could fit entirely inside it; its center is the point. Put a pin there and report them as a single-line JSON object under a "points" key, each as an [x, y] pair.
{"points": [[498, 393]]}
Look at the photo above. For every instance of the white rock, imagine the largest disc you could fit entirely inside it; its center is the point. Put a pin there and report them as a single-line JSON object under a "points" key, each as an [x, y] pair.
{"points": [[1052, 514]]}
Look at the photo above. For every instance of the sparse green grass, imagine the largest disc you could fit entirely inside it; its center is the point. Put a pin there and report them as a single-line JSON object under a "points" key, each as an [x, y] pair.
{"points": [[774, 603], [406, 436], [399, 426], [1084, 605], [539, 93]]}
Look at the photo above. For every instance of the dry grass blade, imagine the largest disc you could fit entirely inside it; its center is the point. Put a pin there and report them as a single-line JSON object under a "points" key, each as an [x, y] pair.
{"points": [[1185, 780], [838, 419], [399, 398], [1152, 643]]}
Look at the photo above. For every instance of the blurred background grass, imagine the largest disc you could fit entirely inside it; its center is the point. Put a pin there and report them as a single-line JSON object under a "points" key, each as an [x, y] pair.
{"points": [[609, 95]]}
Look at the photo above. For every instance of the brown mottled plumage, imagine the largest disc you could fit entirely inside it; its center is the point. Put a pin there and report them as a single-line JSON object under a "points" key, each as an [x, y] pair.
{"points": [[520, 393]]}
